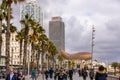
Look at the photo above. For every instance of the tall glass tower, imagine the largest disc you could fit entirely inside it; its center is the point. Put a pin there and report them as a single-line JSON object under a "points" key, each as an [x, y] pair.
{"points": [[57, 32], [31, 7]]}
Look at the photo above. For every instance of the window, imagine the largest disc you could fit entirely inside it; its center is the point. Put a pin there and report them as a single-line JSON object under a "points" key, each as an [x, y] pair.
{"points": [[12, 39], [14, 62]]}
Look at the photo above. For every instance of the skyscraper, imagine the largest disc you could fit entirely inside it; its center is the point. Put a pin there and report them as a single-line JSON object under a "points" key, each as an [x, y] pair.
{"points": [[31, 7], [57, 32]]}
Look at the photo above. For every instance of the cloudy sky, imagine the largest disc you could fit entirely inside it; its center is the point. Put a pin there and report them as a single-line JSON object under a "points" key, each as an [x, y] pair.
{"points": [[79, 17]]}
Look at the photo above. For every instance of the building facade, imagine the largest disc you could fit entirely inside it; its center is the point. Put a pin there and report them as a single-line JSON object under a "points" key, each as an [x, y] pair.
{"points": [[3, 55], [57, 32], [14, 51], [31, 7]]}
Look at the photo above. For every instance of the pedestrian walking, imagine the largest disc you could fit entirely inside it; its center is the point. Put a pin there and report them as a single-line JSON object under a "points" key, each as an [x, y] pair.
{"points": [[51, 73], [91, 74], [101, 74], [79, 72], [21, 76], [65, 74], [11, 75], [16, 72], [84, 73], [70, 74], [60, 74], [56, 74], [34, 74], [46, 74]]}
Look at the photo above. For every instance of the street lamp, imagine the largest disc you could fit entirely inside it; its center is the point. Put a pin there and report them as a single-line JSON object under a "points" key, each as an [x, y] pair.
{"points": [[92, 44]]}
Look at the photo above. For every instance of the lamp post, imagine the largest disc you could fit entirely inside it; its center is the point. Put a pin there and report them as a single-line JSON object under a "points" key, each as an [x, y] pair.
{"points": [[92, 43], [42, 59]]}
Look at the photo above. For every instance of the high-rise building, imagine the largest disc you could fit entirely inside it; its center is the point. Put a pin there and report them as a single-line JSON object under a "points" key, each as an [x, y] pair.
{"points": [[31, 7], [57, 32]]}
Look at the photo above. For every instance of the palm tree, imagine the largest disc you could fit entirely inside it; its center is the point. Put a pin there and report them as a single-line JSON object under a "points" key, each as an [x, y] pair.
{"points": [[33, 39], [61, 59], [9, 2], [52, 50], [38, 55], [119, 67], [71, 63], [43, 39], [36, 30], [13, 29], [115, 65], [33, 36], [27, 23], [20, 37]]}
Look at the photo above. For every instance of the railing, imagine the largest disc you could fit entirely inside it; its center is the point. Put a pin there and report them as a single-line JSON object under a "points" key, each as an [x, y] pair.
{"points": [[111, 77]]}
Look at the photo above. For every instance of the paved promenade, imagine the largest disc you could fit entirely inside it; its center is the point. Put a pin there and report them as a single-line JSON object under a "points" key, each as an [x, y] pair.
{"points": [[75, 77]]}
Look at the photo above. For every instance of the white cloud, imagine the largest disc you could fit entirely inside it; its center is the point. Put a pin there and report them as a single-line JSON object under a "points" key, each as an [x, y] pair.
{"points": [[79, 16]]}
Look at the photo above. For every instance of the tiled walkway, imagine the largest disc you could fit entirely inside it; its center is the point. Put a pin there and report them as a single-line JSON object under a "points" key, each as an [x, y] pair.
{"points": [[75, 77]]}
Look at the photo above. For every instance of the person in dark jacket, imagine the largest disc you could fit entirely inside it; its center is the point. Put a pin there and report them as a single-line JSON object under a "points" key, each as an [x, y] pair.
{"points": [[91, 74], [84, 73], [21, 76], [79, 72], [34, 74], [11, 75], [56, 72], [70, 73], [65, 74], [60, 74], [46, 74], [101, 74], [51, 73]]}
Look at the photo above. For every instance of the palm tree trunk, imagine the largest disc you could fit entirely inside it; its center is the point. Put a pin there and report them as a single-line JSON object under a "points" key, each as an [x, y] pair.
{"points": [[8, 37], [115, 71], [0, 36], [53, 63], [21, 51], [33, 55], [25, 48], [38, 58], [60, 63], [42, 59], [48, 63]]}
